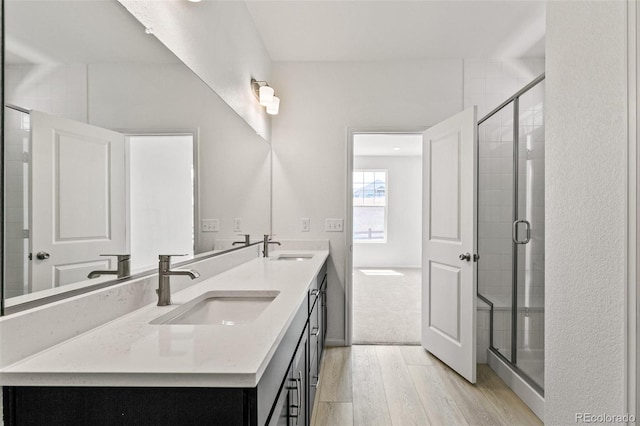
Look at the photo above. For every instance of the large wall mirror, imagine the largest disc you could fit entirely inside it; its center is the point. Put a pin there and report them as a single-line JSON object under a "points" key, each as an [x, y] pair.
{"points": [[113, 146]]}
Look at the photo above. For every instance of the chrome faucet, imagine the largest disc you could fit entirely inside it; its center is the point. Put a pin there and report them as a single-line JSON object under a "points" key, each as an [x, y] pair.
{"points": [[266, 242], [124, 267], [164, 273], [246, 242]]}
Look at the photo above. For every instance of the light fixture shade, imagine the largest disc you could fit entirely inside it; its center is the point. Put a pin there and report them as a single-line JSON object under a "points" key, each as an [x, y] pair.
{"points": [[274, 106], [266, 95]]}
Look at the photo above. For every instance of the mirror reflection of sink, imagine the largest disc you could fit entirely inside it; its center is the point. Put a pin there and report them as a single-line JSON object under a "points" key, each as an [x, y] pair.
{"points": [[220, 308], [294, 257]]}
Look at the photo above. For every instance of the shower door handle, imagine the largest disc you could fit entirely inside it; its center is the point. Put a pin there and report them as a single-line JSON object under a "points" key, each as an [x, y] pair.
{"points": [[514, 232]]}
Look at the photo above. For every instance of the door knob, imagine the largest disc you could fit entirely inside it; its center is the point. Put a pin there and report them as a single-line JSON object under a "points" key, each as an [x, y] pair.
{"points": [[465, 256], [42, 255]]}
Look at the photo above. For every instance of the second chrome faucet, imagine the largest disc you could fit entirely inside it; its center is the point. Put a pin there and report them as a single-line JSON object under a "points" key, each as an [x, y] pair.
{"points": [[164, 273]]}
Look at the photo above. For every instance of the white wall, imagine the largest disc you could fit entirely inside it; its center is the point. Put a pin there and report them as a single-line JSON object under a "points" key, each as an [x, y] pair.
{"points": [[222, 46], [403, 247], [586, 163], [319, 102]]}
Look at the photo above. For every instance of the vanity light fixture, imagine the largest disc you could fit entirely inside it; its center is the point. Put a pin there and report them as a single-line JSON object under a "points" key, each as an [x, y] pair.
{"points": [[265, 95], [195, 1]]}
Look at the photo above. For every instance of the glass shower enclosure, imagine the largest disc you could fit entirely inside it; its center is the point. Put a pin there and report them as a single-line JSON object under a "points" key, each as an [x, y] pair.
{"points": [[511, 229]]}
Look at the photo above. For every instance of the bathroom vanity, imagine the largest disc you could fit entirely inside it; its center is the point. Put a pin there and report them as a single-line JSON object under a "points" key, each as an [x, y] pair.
{"points": [[239, 348]]}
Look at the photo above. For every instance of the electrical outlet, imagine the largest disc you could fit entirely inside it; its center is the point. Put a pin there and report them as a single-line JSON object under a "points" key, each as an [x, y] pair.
{"points": [[210, 225], [334, 225], [306, 224], [237, 225]]}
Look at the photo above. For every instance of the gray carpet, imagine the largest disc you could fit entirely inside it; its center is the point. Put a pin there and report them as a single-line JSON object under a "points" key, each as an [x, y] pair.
{"points": [[386, 308]]}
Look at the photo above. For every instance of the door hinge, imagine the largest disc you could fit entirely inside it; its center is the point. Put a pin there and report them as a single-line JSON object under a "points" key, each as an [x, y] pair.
{"points": [[25, 233], [26, 157]]}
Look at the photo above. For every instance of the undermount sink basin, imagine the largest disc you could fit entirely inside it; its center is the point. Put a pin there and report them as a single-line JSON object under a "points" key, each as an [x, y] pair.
{"points": [[220, 308], [295, 257]]}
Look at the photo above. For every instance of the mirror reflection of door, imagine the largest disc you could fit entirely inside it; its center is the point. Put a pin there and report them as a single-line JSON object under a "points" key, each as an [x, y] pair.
{"points": [[78, 199], [79, 191]]}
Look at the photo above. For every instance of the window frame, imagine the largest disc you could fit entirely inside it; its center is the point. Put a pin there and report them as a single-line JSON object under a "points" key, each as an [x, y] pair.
{"points": [[386, 206]]}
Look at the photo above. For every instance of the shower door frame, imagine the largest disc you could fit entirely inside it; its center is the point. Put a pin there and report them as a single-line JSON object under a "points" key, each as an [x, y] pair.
{"points": [[514, 99]]}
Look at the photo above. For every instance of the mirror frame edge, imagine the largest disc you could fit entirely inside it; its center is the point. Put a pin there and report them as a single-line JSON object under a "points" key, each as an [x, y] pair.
{"points": [[2, 230]]}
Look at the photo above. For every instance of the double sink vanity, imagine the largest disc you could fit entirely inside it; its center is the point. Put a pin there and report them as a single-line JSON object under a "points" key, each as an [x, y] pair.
{"points": [[240, 347]]}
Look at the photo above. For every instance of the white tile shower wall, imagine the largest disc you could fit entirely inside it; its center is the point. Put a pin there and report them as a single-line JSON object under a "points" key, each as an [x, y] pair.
{"points": [[482, 343], [54, 89], [16, 143]]}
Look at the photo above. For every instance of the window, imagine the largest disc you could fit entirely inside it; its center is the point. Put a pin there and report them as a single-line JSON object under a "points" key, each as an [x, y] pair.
{"points": [[370, 206]]}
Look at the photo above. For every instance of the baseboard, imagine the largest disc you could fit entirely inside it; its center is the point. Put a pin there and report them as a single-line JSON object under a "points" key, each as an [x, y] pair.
{"points": [[335, 342], [517, 384]]}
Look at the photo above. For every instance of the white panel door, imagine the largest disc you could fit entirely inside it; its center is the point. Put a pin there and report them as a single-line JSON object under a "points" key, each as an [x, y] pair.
{"points": [[78, 199], [449, 242]]}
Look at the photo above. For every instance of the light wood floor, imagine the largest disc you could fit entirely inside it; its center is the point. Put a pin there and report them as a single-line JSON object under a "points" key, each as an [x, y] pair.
{"points": [[405, 385]]}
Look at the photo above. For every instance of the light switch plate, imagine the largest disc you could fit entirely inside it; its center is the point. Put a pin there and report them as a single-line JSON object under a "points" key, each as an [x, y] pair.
{"points": [[210, 225], [306, 224], [237, 225], [334, 225]]}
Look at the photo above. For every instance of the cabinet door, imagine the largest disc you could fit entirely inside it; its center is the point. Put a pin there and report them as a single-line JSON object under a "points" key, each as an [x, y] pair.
{"points": [[314, 378], [315, 330], [298, 381], [281, 414], [322, 312]]}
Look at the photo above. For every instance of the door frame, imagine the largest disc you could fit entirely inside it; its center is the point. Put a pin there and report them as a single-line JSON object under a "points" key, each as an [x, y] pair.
{"points": [[194, 133], [348, 229]]}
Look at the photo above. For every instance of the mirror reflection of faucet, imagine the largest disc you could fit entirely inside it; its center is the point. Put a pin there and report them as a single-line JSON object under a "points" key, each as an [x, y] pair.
{"points": [[266, 242], [164, 273], [246, 242], [124, 267]]}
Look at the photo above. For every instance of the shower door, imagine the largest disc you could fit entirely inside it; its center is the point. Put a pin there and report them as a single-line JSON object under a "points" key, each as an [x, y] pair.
{"points": [[530, 229], [511, 230]]}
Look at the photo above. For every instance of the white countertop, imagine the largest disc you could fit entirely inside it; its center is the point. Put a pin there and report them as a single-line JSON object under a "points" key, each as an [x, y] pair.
{"points": [[131, 352]]}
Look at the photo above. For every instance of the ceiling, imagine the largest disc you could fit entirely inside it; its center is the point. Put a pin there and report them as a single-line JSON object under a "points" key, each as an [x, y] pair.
{"points": [[387, 144], [397, 30], [45, 31]]}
